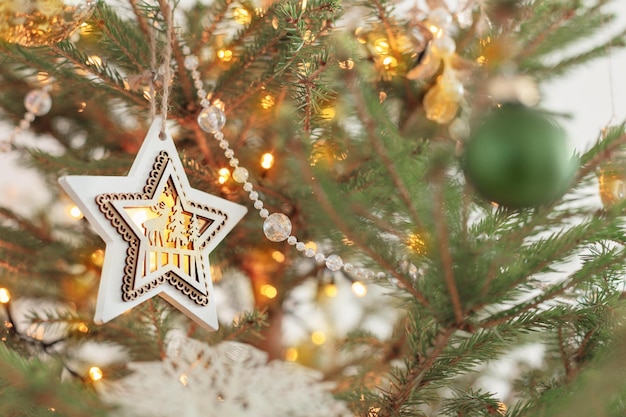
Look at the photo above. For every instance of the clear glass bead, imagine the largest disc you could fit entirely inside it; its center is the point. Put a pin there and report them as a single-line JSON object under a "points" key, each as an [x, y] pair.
{"points": [[258, 204], [240, 174], [247, 186], [348, 267], [29, 116], [300, 246], [309, 253], [264, 213], [277, 227], [38, 102], [319, 257], [254, 196], [381, 275], [334, 262], [211, 119], [292, 240], [234, 162], [224, 144], [191, 62], [24, 124], [229, 153]]}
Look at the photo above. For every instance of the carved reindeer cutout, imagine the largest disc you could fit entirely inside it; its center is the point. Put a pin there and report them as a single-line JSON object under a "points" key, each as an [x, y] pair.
{"points": [[156, 227]]}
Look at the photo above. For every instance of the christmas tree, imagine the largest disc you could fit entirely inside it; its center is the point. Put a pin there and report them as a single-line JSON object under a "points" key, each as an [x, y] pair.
{"points": [[420, 238]]}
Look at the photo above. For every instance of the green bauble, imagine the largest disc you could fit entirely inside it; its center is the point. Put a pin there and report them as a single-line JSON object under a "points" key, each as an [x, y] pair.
{"points": [[519, 157]]}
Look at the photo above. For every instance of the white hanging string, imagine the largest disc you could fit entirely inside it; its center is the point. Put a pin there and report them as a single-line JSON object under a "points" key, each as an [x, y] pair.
{"points": [[167, 59]]}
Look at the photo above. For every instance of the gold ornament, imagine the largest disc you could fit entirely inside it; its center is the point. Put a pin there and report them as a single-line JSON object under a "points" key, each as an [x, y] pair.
{"points": [[612, 183], [41, 22], [439, 105]]}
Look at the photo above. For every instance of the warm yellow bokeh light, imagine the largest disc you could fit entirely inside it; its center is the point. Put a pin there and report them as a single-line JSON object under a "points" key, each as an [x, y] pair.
{"points": [[390, 62], [95, 373], [242, 15], [278, 256], [5, 296], [381, 46], [76, 213], [291, 355], [225, 55], [97, 257], [268, 101], [269, 291], [94, 60], [416, 243], [82, 327], [318, 337], [224, 175], [359, 289], [330, 290], [328, 113], [267, 160]]}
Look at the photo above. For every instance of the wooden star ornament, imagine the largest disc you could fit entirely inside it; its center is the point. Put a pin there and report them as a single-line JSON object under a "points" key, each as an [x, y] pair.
{"points": [[158, 232]]}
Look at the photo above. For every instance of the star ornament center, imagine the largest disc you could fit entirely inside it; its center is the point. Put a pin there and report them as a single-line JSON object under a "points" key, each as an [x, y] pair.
{"points": [[158, 232]]}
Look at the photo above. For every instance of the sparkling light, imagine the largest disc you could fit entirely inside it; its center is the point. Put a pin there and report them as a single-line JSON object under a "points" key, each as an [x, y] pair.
{"points": [[225, 55], [359, 289], [416, 243], [97, 257], [390, 62], [242, 15], [94, 60], [95, 373], [328, 113], [82, 327], [5, 296], [348, 64], [224, 175], [75, 213], [278, 256], [291, 355], [267, 160], [268, 102], [318, 337], [330, 290], [269, 291], [381, 46]]}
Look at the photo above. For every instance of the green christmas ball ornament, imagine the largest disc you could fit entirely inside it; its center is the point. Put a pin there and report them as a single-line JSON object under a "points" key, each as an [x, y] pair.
{"points": [[519, 157]]}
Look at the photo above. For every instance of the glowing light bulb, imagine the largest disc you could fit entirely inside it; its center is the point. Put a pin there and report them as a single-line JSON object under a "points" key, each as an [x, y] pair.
{"points": [[291, 355], [268, 101], [94, 60], [318, 338], [267, 160], [390, 62], [95, 373], [225, 55], [381, 46], [75, 213], [5, 296], [278, 256], [359, 289], [224, 175], [330, 290], [348, 64], [269, 291], [97, 257], [416, 243], [242, 15], [328, 113]]}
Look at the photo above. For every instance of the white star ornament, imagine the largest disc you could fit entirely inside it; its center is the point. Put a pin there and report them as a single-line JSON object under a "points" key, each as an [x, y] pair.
{"points": [[158, 232]]}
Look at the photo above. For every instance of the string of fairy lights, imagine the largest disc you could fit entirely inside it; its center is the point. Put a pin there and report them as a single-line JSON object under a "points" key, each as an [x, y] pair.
{"points": [[277, 227]]}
